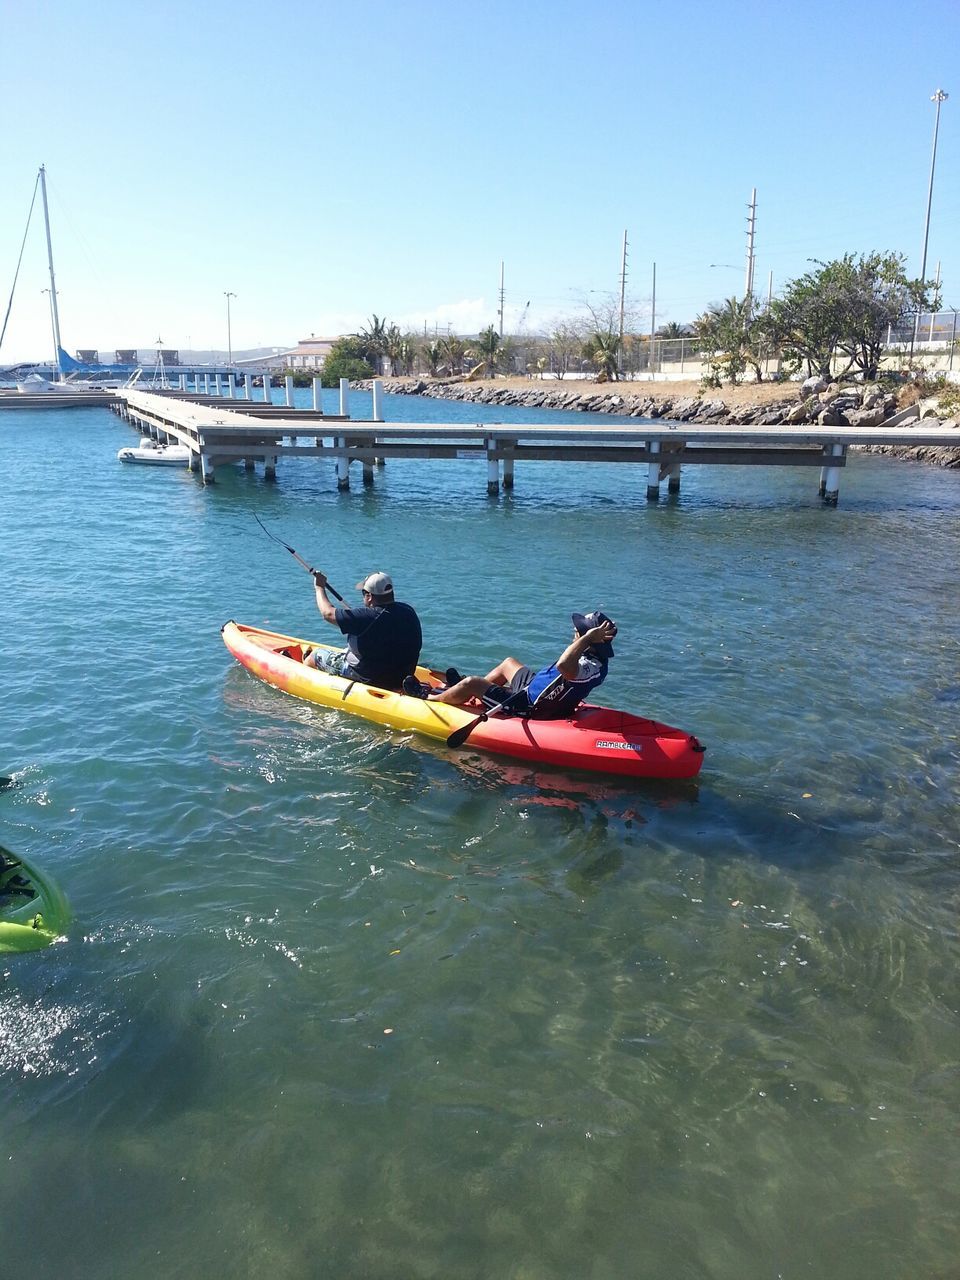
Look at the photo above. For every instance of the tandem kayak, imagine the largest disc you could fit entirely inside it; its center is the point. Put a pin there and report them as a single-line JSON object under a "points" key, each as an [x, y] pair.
{"points": [[596, 738], [33, 911]]}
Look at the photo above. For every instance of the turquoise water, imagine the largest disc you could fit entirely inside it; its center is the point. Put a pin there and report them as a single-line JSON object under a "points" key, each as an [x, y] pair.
{"points": [[337, 1002]]}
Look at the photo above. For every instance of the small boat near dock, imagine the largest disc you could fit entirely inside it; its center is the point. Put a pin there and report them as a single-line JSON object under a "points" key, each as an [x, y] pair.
{"points": [[149, 453]]}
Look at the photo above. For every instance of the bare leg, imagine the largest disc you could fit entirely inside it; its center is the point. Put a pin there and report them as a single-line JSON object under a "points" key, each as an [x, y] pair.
{"points": [[475, 686], [459, 694], [504, 672]]}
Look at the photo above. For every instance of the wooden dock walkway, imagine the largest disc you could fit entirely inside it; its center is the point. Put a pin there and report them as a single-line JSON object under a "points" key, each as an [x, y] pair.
{"points": [[217, 430]]}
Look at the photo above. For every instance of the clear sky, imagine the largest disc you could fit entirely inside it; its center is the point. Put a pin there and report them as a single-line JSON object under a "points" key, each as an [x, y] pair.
{"points": [[327, 161]]}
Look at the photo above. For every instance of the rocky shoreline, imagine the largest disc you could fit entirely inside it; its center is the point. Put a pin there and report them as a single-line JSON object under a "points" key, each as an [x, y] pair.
{"points": [[813, 402]]}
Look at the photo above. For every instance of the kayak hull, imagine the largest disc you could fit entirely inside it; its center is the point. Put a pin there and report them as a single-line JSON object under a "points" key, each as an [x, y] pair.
{"points": [[33, 910], [596, 738]]}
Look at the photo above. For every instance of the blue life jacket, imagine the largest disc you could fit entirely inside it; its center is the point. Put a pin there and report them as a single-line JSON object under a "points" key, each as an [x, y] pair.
{"points": [[554, 697]]}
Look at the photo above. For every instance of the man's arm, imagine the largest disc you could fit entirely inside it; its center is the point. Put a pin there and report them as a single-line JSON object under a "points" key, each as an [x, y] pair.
{"points": [[328, 610], [569, 661]]}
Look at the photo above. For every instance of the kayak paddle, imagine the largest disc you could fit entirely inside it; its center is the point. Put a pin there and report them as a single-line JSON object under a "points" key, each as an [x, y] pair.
{"points": [[300, 560], [459, 736]]}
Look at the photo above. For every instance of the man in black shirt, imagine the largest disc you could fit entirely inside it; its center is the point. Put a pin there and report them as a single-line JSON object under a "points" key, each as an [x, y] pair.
{"points": [[383, 637]]}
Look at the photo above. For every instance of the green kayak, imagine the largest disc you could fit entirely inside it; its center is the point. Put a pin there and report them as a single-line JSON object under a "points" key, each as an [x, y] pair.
{"points": [[33, 911]]}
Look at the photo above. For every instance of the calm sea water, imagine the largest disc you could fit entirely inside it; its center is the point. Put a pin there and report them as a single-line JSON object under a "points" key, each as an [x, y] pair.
{"points": [[338, 1002]]}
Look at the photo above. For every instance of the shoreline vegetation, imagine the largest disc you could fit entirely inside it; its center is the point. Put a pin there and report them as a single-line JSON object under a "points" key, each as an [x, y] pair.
{"points": [[752, 404]]}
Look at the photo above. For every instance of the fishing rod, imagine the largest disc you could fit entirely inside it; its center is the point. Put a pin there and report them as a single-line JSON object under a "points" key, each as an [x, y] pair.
{"points": [[300, 560]]}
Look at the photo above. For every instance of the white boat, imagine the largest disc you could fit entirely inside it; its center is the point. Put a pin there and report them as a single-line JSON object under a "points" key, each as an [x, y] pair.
{"points": [[151, 454]]}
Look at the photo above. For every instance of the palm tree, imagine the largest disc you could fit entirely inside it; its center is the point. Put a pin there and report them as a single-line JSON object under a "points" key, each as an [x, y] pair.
{"points": [[375, 340], [602, 348], [487, 347], [433, 354], [453, 350]]}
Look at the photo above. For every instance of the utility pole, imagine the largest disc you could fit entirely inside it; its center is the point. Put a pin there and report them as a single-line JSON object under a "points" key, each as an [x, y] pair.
{"points": [[501, 298], [751, 229], [623, 290]]}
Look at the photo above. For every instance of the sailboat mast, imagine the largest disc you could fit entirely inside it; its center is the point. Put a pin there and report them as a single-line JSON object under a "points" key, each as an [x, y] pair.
{"points": [[54, 313]]}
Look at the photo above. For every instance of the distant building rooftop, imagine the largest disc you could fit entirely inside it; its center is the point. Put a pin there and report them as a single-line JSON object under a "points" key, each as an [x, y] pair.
{"points": [[309, 353]]}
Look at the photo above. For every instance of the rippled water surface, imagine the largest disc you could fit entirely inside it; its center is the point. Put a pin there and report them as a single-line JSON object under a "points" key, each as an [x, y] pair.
{"points": [[338, 1002]]}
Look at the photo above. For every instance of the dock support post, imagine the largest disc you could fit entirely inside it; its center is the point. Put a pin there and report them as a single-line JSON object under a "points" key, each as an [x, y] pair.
{"points": [[248, 464], [343, 464], [183, 382], [231, 385], [206, 384], [673, 478], [288, 382], [217, 387], [831, 479], [248, 386], [193, 462], [376, 415], [653, 471], [318, 395], [270, 468], [345, 397], [206, 468], [267, 384], [508, 469], [493, 468]]}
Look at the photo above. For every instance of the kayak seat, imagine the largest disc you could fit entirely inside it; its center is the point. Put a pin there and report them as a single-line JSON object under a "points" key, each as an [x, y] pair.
{"points": [[294, 651]]}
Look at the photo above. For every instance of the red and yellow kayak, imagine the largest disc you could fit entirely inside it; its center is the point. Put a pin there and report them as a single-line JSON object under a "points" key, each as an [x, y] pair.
{"points": [[596, 738]]}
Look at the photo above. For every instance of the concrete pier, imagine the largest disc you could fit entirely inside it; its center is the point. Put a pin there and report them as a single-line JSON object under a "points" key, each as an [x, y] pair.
{"points": [[219, 432]]}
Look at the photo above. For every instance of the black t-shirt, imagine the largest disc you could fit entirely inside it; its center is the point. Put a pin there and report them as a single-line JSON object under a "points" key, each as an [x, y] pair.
{"points": [[383, 642]]}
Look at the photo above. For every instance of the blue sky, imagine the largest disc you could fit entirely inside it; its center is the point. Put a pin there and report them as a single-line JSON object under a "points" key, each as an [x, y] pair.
{"points": [[326, 162]]}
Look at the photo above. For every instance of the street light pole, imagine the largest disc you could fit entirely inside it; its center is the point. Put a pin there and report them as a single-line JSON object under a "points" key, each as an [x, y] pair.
{"points": [[228, 296], [938, 98]]}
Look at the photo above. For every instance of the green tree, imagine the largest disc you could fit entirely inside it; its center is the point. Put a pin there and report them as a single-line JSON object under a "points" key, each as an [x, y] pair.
{"points": [[734, 337], [346, 360], [880, 297], [845, 307]]}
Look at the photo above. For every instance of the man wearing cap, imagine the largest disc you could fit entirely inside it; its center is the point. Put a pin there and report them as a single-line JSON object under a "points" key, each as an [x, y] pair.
{"points": [[383, 637], [550, 694]]}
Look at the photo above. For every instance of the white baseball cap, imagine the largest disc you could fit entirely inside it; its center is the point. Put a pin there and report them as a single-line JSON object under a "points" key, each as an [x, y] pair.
{"points": [[377, 584]]}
